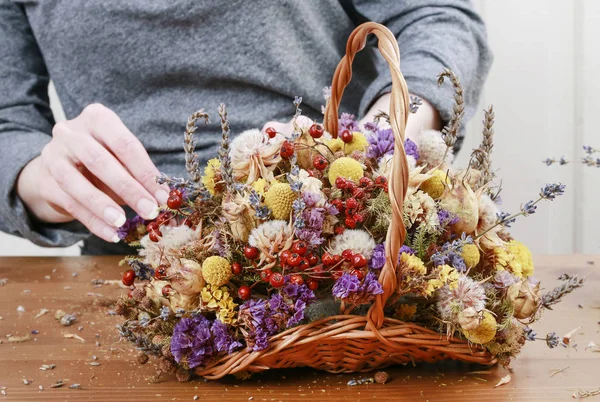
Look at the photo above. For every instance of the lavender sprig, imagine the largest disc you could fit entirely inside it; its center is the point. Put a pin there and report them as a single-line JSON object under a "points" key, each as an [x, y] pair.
{"points": [[414, 104], [589, 159], [548, 192], [571, 282]]}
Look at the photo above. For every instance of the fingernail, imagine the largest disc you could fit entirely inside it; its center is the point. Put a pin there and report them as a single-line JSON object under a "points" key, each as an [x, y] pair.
{"points": [[148, 208], [112, 235], [114, 216], [161, 196]]}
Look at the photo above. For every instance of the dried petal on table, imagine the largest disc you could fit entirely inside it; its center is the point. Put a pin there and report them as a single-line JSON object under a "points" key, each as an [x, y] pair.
{"points": [[567, 338], [74, 336], [19, 339], [503, 380]]}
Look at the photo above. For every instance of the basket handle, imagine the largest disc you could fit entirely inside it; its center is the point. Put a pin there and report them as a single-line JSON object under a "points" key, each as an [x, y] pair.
{"points": [[398, 179]]}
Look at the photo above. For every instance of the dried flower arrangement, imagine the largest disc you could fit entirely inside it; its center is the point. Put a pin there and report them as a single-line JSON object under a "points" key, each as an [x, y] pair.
{"points": [[285, 240]]}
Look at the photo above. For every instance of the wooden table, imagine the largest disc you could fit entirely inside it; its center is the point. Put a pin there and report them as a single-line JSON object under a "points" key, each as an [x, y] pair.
{"points": [[66, 283]]}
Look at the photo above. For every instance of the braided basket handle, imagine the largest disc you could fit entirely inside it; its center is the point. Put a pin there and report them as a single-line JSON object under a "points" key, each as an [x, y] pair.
{"points": [[398, 179]]}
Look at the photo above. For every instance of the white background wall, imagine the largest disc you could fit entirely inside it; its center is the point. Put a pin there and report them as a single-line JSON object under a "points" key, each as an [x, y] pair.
{"points": [[546, 98]]}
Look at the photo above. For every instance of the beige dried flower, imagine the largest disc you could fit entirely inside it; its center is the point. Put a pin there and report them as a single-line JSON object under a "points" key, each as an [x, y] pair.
{"points": [[271, 238], [240, 215], [186, 277], [255, 155], [469, 318], [525, 299]]}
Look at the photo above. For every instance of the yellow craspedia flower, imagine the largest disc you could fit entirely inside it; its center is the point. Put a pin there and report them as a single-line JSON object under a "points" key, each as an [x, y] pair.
{"points": [[347, 168], [522, 257], [216, 270], [435, 186], [470, 253], [503, 259], [449, 276], [212, 167], [405, 312], [335, 144], [359, 143], [412, 263], [485, 331], [279, 199]]}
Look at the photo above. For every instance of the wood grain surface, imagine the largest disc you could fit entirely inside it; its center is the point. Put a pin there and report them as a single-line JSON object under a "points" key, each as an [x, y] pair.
{"points": [[67, 284]]}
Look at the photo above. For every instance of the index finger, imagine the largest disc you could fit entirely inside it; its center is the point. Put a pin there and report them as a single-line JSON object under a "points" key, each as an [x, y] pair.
{"points": [[108, 129]]}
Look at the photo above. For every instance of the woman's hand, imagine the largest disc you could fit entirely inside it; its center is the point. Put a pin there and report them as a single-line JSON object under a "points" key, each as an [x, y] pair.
{"points": [[92, 164]]}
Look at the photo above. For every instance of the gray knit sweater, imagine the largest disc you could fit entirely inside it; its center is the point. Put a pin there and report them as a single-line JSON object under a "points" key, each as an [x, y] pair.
{"points": [[154, 62]]}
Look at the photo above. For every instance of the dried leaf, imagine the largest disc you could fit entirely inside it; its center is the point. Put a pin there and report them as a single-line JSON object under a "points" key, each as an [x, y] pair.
{"points": [[503, 380], [42, 312], [580, 394], [57, 384], [19, 339], [74, 336], [555, 372]]}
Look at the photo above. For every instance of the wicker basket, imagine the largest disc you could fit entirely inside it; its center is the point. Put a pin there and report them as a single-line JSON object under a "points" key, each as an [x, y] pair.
{"points": [[350, 343]]}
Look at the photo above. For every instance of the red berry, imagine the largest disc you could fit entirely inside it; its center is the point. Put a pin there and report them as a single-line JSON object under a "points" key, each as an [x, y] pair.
{"points": [[358, 192], [271, 132], [300, 248], [337, 273], [152, 226], [166, 290], [341, 183], [350, 186], [174, 202], [339, 230], [351, 203], [236, 268], [287, 150], [312, 259], [359, 261], [358, 273], [277, 280], [358, 218], [327, 260], [312, 284], [337, 259], [294, 260], [296, 279], [251, 253], [346, 136], [347, 254], [244, 292], [350, 222], [316, 131], [165, 216], [320, 163], [161, 272], [283, 257], [155, 235], [380, 180], [128, 277], [265, 275], [303, 264], [338, 204], [365, 182]]}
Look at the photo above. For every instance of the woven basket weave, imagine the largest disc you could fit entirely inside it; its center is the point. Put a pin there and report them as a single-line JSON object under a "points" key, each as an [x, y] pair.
{"points": [[350, 343]]}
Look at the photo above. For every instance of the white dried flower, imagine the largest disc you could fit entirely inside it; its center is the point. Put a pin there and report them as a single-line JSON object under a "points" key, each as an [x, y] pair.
{"points": [[420, 208], [310, 184], [356, 240], [488, 216], [271, 238], [255, 155], [454, 300], [432, 148], [169, 246]]}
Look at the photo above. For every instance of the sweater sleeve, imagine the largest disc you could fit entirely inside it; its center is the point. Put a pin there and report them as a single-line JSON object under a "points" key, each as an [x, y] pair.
{"points": [[432, 35], [25, 127]]}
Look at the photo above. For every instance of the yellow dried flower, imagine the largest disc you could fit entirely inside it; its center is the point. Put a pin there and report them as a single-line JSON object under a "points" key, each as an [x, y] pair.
{"points": [[446, 275], [470, 253], [219, 300], [335, 144], [435, 185], [347, 168], [522, 257], [212, 167], [216, 270], [279, 198], [412, 263], [359, 143], [485, 331], [259, 186], [405, 312]]}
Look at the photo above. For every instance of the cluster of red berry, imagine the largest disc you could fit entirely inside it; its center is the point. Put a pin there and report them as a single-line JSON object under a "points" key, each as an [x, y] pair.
{"points": [[353, 199]]}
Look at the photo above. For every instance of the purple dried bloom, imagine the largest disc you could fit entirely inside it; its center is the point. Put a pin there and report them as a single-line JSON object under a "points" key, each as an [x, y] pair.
{"points": [[310, 236], [310, 198], [407, 250], [347, 122], [371, 126], [346, 285], [411, 148], [372, 285], [191, 341], [349, 288], [381, 143], [504, 279], [130, 226], [224, 342], [447, 218], [378, 258]]}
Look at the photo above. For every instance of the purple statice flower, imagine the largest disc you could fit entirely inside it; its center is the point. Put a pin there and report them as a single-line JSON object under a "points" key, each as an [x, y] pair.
{"points": [[447, 218], [371, 126], [411, 148], [312, 217], [406, 249], [504, 279], [350, 289], [195, 340], [347, 122], [131, 226], [260, 319], [450, 254], [381, 143], [378, 258]]}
